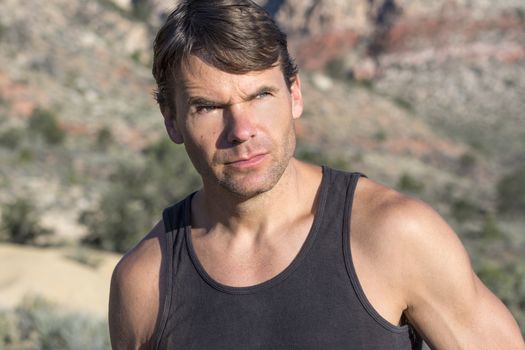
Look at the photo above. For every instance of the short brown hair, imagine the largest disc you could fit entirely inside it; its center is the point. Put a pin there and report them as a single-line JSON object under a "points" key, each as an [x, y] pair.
{"points": [[235, 36]]}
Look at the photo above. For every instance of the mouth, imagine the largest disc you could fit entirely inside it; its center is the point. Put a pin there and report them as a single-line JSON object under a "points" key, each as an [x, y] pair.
{"points": [[247, 161]]}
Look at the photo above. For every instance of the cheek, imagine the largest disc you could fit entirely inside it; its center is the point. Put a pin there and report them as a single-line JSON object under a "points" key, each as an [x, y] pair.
{"points": [[200, 142]]}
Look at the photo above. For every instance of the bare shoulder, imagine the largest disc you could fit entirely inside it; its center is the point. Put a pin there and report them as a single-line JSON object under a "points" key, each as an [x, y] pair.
{"points": [[405, 223], [423, 264], [135, 293]]}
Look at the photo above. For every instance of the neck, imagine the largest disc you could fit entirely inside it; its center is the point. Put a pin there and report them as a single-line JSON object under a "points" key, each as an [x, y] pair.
{"points": [[292, 196]]}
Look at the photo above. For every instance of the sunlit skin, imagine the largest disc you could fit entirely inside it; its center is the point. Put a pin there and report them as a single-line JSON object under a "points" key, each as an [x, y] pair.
{"points": [[256, 208], [238, 130]]}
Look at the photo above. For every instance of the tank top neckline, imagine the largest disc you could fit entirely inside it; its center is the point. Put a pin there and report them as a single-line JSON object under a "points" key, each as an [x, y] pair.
{"points": [[279, 277]]}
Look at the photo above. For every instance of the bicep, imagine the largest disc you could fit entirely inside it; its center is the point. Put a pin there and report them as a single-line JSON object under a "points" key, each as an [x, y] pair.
{"points": [[133, 307], [446, 301], [124, 323]]}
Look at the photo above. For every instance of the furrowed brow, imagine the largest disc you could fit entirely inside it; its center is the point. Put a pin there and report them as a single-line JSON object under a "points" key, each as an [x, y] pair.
{"points": [[270, 89], [201, 101]]}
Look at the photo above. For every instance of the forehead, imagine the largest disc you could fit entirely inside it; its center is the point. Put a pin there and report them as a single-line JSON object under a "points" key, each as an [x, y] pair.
{"points": [[196, 77]]}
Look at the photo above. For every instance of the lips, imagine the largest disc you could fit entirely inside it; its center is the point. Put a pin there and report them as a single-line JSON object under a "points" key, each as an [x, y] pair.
{"points": [[247, 161]]}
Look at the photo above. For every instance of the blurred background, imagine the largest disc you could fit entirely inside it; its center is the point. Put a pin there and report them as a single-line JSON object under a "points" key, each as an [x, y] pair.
{"points": [[427, 97]]}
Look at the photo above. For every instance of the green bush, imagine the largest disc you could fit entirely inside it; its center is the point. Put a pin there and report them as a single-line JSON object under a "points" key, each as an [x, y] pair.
{"points": [[490, 229], [463, 210], [467, 163], [511, 192], [335, 68], [410, 184], [141, 9], [46, 124], [21, 222], [11, 138], [120, 220], [139, 193], [316, 155], [104, 138], [403, 104], [39, 325]]}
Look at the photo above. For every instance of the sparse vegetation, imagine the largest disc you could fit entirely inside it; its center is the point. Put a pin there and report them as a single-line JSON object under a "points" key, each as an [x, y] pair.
{"points": [[2, 31], [380, 135], [21, 222], [141, 9], [45, 123], [11, 138], [467, 163], [104, 138], [403, 104], [37, 324], [315, 155], [490, 229], [84, 256], [511, 192], [335, 68], [463, 210], [127, 211], [408, 183]]}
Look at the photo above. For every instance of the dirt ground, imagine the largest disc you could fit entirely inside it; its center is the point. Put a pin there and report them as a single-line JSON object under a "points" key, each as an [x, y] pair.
{"points": [[75, 279]]}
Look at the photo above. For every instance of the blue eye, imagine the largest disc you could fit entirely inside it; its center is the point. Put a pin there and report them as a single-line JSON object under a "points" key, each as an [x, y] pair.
{"points": [[263, 94], [205, 109]]}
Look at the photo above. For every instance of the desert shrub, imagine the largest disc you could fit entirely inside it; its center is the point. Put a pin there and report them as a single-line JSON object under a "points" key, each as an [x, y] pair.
{"points": [[380, 135], [506, 281], [104, 138], [3, 31], [141, 9], [463, 210], [467, 163], [84, 256], [490, 229], [39, 325], [315, 155], [46, 124], [511, 192], [408, 183], [335, 68], [11, 138], [26, 155], [21, 222], [139, 193], [120, 220], [403, 104]]}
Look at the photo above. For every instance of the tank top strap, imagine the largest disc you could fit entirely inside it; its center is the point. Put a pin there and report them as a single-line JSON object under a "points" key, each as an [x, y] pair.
{"points": [[341, 188], [174, 219]]}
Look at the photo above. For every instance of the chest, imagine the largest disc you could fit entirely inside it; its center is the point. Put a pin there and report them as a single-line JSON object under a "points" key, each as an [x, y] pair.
{"points": [[241, 264]]}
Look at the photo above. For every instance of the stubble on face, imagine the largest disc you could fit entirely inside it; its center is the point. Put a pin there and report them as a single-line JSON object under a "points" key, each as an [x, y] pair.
{"points": [[209, 149], [241, 187]]}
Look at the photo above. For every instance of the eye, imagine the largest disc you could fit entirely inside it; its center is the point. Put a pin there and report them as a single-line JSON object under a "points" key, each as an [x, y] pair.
{"points": [[203, 109], [263, 94]]}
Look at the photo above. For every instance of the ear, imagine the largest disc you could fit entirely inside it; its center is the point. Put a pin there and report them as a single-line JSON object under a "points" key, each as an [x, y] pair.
{"points": [[297, 97], [171, 125]]}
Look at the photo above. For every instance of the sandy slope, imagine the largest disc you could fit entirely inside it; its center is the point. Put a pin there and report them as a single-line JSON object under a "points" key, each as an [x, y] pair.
{"points": [[50, 273]]}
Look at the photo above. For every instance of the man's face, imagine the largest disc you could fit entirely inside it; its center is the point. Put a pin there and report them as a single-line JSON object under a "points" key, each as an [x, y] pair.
{"points": [[237, 128]]}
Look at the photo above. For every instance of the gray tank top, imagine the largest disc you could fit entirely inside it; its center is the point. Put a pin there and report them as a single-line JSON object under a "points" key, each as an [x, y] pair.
{"points": [[314, 303]]}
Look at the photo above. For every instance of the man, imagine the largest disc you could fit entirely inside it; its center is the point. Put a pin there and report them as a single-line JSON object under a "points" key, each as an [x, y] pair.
{"points": [[274, 253]]}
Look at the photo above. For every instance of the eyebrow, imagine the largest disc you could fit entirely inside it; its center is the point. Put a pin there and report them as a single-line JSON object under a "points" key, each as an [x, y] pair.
{"points": [[203, 101]]}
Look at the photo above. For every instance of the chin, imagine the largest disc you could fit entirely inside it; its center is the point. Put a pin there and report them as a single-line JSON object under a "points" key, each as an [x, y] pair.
{"points": [[247, 189], [249, 185]]}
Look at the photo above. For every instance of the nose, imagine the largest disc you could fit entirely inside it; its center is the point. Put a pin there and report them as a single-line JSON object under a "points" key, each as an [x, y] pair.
{"points": [[240, 124]]}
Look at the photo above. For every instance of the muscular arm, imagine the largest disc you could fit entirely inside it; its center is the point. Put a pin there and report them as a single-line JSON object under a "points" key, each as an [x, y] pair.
{"points": [[422, 265], [445, 299], [134, 295]]}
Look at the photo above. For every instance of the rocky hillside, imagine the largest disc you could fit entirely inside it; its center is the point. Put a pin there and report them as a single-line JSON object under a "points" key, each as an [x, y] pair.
{"points": [[424, 96]]}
